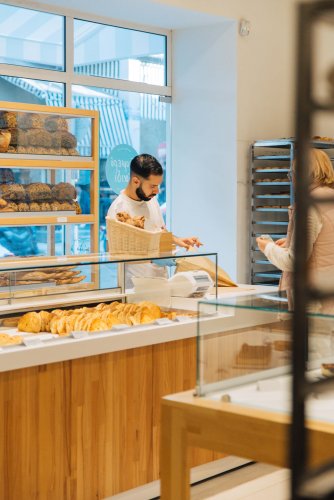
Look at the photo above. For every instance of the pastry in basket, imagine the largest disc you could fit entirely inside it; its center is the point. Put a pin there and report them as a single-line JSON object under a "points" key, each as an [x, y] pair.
{"points": [[5, 136], [38, 191], [12, 192], [64, 191], [6, 339], [138, 221], [30, 322]]}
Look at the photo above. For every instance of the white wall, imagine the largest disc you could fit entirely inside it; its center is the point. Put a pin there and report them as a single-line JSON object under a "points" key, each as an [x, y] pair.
{"points": [[203, 200]]}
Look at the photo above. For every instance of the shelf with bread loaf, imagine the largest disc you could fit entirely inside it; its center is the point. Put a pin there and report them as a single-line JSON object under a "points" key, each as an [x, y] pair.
{"points": [[51, 144]]}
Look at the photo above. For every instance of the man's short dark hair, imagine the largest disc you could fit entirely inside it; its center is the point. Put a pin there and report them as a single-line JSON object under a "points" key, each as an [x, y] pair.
{"points": [[145, 165]]}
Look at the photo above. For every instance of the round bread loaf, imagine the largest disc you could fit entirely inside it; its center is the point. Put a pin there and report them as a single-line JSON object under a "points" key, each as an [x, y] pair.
{"points": [[8, 119], [64, 191], [18, 137], [39, 138], [38, 191], [53, 123], [30, 120]]}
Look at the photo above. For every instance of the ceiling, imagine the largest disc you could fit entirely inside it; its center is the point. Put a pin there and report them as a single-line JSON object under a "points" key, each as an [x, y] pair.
{"points": [[147, 12]]}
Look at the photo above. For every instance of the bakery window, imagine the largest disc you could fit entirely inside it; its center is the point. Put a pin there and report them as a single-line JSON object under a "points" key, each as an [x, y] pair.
{"points": [[16, 89], [31, 38], [119, 53]]}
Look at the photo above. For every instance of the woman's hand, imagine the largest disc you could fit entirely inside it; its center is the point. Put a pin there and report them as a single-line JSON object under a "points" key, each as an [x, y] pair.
{"points": [[262, 243], [187, 242], [281, 242]]}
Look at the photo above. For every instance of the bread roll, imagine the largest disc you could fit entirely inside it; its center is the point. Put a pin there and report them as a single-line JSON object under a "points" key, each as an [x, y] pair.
{"points": [[64, 191], [53, 123], [38, 191], [8, 119], [36, 137]]}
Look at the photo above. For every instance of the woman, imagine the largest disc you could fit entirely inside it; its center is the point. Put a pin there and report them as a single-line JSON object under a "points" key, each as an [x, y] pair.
{"points": [[320, 225]]}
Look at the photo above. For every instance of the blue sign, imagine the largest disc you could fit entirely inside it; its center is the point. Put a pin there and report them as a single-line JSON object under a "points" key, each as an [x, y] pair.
{"points": [[118, 166]]}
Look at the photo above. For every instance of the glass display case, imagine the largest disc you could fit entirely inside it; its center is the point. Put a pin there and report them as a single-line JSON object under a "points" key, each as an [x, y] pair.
{"points": [[244, 351], [59, 295], [44, 154]]}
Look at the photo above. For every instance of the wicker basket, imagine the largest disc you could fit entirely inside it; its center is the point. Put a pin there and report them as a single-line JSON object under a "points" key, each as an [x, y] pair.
{"points": [[124, 239]]}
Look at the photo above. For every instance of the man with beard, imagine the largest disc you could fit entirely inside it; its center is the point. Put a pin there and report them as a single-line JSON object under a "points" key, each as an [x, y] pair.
{"points": [[139, 199]]}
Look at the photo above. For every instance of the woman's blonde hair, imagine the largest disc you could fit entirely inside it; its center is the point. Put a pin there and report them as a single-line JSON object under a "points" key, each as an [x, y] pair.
{"points": [[322, 171]]}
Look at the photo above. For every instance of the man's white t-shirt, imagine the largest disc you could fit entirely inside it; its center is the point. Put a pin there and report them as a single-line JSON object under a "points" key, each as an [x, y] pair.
{"points": [[153, 222]]}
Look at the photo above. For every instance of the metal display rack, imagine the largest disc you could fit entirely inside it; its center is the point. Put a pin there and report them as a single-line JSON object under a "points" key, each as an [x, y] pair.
{"points": [[272, 194], [307, 482]]}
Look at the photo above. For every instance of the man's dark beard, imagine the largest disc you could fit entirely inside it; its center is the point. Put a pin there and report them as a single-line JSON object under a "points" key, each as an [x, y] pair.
{"points": [[141, 195]]}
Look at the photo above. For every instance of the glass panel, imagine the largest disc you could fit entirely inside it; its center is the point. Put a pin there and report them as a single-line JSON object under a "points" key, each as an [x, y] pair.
{"points": [[44, 134], [245, 344], [15, 89], [130, 124], [31, 38], [113, 52]]}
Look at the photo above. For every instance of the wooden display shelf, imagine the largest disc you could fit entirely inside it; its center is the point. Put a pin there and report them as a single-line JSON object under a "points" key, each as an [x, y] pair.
{"points": [[46, 162], [40, 220]]}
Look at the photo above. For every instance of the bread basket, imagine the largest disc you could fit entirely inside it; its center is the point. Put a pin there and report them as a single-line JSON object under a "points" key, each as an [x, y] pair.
{"points": [[124, 239]]}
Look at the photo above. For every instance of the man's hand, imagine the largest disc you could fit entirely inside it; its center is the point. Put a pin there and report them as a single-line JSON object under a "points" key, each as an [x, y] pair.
{"points": [[281, 242], [187, 242], [262, 243]]}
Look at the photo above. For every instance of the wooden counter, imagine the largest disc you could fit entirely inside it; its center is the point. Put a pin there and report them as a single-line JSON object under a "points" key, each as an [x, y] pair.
{"points": [[227, 428]]}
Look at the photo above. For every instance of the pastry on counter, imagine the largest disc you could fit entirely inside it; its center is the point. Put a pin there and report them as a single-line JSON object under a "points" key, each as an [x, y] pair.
{"points": [[38, 191], [30, 322], [64, 191]]}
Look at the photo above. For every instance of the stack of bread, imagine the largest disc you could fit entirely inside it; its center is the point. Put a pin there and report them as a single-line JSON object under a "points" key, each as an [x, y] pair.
{"points": [[92, 319], [38, 197], [34, 133]]}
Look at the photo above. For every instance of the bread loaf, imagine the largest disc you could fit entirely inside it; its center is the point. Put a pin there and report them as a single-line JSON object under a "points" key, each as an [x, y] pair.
{"points": [[4, 140], [64, 191], [38, 191], [53, 123], [29, 121], [8, 119], [12, 192], [18, 137], [36, 137]]}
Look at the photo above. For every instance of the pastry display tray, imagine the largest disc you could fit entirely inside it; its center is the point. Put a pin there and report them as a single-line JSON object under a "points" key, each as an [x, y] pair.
{"points": [[51, 213]]}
